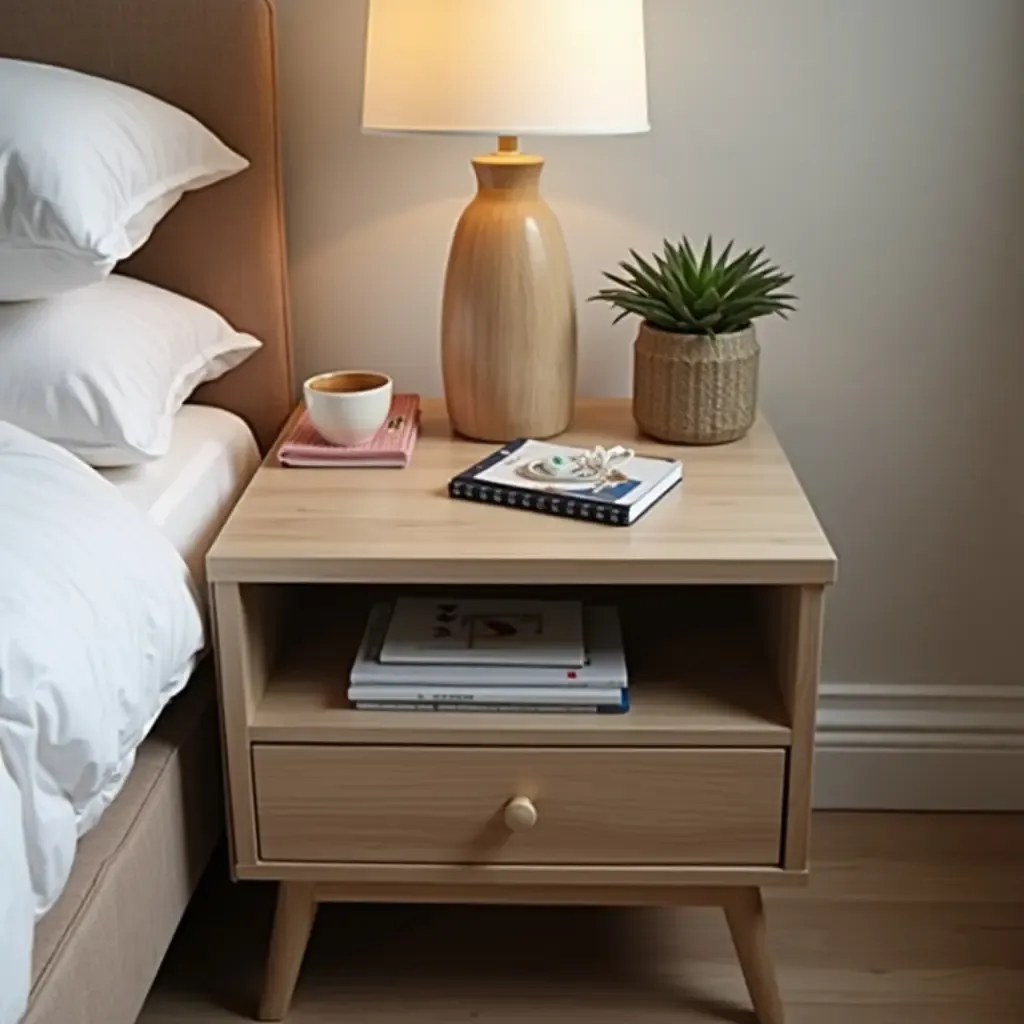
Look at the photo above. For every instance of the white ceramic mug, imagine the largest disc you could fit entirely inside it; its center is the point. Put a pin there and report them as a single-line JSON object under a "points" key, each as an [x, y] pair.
{"points": [[348, 407]]}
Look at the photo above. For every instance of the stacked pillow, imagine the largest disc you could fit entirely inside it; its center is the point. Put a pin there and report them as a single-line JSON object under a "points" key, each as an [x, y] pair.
{"points": [[97, 362]]}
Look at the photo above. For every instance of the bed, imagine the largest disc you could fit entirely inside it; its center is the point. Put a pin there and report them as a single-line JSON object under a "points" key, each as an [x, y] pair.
{"points": [[98, 949]]}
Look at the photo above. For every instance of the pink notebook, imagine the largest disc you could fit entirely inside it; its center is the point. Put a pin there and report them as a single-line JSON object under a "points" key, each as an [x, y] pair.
{"points": [[391, 449]]}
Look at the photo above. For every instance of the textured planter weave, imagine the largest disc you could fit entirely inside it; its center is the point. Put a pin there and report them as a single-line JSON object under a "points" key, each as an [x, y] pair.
{"points": [[695, 390]]}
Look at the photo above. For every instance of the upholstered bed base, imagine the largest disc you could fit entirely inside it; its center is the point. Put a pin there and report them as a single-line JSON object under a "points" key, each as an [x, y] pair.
{"points": [[98, 950]]}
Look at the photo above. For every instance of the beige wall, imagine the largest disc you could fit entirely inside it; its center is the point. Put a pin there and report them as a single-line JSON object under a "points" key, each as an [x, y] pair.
{"points": [[877, 148]]}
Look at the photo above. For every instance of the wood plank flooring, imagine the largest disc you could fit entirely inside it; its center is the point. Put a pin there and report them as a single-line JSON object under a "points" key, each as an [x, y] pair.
{"points": [[909, 919]]}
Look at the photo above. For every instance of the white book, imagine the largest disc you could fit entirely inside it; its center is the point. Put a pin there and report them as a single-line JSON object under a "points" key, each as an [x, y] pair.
{"points": [[611, 697], [604, 663], [484, 632]]}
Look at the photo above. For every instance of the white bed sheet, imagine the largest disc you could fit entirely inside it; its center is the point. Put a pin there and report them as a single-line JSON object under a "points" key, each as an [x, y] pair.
{"points": [[191, 490], [100, 628]]}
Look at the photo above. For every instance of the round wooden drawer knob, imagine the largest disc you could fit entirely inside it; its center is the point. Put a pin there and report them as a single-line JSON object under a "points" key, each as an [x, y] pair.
{"points": [[520, 814]]}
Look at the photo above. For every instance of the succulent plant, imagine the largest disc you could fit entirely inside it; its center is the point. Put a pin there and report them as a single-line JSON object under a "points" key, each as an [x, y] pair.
{"points": [[683, 293]]}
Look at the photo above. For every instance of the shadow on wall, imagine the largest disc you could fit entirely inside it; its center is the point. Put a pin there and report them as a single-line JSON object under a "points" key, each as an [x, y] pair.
{"points": [[877, 149]]}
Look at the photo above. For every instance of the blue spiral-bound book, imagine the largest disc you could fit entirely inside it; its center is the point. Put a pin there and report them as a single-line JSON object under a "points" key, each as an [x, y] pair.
{"points": [[614, 487]]}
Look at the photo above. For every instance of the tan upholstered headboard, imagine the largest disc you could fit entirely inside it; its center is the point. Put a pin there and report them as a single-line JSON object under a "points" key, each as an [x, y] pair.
{"points": [[224, 245]]}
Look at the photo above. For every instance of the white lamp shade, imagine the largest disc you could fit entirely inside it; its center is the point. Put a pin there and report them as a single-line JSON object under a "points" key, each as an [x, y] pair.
{"points": [[506, 67]]}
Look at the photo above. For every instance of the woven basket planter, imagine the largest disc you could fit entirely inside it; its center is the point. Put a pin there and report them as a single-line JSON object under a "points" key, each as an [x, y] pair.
{"points": [[690, 389]]}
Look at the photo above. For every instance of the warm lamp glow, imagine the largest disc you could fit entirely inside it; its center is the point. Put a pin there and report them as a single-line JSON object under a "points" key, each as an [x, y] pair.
{"points": [[506, 67]]}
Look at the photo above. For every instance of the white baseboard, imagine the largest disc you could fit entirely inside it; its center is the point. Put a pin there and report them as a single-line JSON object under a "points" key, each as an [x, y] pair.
{"points": [[920, 748]]}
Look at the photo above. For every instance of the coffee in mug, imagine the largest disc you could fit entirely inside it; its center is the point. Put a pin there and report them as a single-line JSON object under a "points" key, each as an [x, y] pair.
{"points": [[348, 407]]}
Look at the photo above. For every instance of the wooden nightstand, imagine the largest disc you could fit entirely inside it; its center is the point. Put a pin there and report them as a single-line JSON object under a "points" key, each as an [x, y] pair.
{"points": [[701, 794]]}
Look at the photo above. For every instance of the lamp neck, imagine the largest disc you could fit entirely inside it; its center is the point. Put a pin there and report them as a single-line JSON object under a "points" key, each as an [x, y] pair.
{"points": [[509, 172], [515, 175]]}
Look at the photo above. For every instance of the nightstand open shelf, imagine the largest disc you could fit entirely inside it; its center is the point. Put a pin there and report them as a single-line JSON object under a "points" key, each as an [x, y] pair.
{"points": [[698, 677]]}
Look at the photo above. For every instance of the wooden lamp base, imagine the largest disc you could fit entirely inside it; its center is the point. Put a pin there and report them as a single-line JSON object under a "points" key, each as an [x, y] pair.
{"points": [[508, 339]]}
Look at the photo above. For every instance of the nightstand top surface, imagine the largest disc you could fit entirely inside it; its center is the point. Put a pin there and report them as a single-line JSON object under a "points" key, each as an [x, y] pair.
{"points": [[740, 516]]}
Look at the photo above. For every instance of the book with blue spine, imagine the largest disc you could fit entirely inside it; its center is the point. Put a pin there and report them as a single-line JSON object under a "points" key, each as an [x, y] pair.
{"points": [[523, 697], [499, 707], [613, 487]]}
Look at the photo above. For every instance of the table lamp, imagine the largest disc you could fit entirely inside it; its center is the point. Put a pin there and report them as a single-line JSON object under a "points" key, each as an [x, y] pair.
{"points": [[507, 68]]}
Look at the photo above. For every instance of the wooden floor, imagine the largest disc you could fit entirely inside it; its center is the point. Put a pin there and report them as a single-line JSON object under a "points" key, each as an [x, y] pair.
{"points": [[908, 920]]}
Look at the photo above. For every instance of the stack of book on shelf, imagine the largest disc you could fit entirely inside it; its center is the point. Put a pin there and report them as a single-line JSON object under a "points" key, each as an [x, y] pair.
{"points": [[438, 654]]}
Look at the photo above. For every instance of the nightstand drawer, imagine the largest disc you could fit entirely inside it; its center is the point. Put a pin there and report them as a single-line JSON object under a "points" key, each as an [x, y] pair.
{"points": [[447, 805]]}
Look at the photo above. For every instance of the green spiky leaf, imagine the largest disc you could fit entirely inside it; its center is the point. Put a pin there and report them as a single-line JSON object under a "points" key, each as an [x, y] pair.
{"points": [[682, 292]]}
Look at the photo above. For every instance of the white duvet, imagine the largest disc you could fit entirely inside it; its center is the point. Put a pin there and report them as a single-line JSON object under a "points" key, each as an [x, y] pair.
{"points": [[99, 628]]}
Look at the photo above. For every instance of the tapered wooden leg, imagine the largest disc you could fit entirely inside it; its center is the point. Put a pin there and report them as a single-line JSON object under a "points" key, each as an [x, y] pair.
{"points": [[293, 922], [744, 910]]}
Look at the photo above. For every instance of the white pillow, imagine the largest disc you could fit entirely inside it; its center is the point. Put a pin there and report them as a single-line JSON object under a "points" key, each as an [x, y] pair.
{"points": [[88, 168], [102, 370], [99, 629]]}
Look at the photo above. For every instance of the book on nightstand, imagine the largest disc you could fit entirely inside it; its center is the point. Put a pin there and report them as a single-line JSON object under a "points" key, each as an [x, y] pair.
{"points": [[614, 487], [515, 709], [454, 631], [391, 448], [597, 683]]}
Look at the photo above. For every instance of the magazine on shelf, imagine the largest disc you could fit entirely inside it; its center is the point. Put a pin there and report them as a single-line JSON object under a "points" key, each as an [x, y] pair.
{"points": [[454, 631], [604, 662], [518, 709], [529, 695]]}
